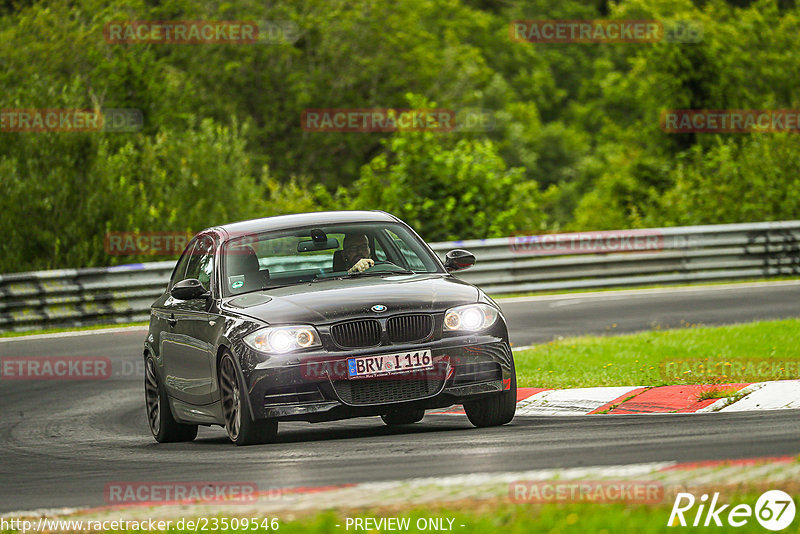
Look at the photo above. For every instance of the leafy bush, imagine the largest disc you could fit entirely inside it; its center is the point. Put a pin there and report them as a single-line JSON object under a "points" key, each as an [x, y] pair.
{"points": [[577, 143], [448, 190]]}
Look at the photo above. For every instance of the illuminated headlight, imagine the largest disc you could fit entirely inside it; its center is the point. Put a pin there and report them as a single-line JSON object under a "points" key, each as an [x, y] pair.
{"points": [[282, 339], [472, 318]]}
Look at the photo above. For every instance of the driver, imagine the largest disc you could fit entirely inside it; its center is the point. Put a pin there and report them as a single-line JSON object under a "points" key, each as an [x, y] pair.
{"points": [[356, 253]]}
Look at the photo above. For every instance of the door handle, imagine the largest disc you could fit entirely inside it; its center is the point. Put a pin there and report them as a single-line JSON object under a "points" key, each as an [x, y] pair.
{"points": [[172, 321]]}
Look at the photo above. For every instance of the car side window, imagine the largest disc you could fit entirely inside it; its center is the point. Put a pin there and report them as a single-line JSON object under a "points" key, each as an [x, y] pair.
{"points": [[379, 254], [412, 259], [201, 262], [180, 268]]}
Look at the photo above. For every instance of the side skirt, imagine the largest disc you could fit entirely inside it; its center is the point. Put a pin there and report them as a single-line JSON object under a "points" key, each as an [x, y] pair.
{"points": [[208, 414]]}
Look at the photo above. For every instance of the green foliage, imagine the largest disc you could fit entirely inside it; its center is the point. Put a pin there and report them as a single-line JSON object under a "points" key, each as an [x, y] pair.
{"points": [[757, 179], [461, 192], [171, 181], [576, 142]]}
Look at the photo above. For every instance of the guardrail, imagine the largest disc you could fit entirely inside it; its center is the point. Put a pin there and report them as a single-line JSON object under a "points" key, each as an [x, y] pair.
{"points": [[72, 297]]}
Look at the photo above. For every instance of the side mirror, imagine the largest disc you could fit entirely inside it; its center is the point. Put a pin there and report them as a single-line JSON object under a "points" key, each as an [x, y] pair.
{"points": [[189, 289], [458, 259]]}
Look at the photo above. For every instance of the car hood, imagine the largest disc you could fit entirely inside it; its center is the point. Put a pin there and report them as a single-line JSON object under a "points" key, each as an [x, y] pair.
{"points": [[335, 300]]}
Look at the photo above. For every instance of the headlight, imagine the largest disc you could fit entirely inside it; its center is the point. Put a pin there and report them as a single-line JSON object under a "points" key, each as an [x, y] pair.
{"points": [[472, 318], [283, 339]]}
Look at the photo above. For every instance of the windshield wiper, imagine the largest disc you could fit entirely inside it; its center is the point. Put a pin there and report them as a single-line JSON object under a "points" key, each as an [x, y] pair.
{"points": [[400, 271], [267, 288], [363, 274]]}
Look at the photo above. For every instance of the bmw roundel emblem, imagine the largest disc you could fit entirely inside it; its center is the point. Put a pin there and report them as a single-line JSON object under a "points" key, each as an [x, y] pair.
{"points": [[378, 308]]}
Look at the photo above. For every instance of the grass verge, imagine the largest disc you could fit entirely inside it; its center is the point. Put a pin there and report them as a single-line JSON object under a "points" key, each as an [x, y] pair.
{"points": [[636, 359], [487, 517], [493, 516]]}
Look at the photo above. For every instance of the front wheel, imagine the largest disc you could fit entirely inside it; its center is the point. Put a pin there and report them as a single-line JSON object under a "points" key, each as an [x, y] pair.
{"points": [[159, 416], [405, 417], [495, 410], [241, 428]]}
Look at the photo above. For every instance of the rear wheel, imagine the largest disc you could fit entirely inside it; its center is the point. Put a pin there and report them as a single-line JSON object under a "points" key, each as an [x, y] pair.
{"points": [[403, 417], [241, 428], [159, 416], [495, 410]]}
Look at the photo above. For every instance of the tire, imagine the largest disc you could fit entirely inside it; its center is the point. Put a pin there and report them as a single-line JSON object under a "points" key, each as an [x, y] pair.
{"points": [[159, 415], [404, 417], [241, 428], [495, 410]]}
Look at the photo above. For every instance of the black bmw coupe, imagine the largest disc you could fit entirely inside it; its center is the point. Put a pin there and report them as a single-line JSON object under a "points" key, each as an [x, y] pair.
{"points": [[319, 317]]}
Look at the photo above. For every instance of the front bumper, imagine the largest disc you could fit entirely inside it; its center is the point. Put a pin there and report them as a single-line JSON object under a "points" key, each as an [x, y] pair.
{"points": [[313, 386]]}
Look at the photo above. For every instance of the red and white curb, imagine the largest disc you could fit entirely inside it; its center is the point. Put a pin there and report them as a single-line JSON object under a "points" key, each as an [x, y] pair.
{"points": [[689, 398], [784, 394]]}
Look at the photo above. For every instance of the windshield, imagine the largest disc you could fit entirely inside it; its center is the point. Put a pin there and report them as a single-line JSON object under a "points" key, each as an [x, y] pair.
{"points": [[288, 257]]}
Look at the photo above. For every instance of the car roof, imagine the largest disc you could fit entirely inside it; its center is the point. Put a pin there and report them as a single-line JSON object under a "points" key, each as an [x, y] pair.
{"points": [[297, 220]]}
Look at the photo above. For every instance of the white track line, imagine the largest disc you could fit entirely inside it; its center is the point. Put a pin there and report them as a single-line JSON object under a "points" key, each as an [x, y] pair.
{"points": [[75, 333], [579, 401], [655, 290]]}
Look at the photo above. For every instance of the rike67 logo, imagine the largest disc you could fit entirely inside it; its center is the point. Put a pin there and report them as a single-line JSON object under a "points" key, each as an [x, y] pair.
{"points": [[774, 510]]}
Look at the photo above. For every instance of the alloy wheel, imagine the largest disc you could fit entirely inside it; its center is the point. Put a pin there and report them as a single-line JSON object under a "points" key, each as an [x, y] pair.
{"points": [[231, 398], [152, 398]]}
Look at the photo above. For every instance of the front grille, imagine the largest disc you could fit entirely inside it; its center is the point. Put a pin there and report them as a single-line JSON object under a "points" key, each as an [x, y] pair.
{"points": [[355, 334], [470, 373], [383, 391], [405, 328]]}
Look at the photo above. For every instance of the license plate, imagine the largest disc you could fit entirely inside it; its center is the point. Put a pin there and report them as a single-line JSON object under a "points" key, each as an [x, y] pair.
{"points": [[385, 364]]}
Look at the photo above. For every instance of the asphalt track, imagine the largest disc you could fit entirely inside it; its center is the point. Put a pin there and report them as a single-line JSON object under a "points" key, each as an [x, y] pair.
{"points": [[540, 319], [64, 441]]}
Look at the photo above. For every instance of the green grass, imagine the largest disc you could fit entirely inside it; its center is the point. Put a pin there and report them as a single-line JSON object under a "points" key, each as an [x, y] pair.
{"points": [[481, 517], [577, 518], [70, 329], [635, 359], [718, 393]]}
